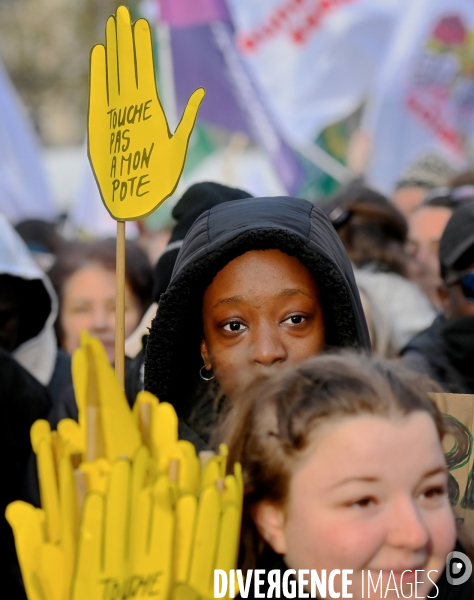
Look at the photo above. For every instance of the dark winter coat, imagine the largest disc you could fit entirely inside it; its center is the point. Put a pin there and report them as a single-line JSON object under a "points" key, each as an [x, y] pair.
{"points": [[445, 352], [23, 400]]}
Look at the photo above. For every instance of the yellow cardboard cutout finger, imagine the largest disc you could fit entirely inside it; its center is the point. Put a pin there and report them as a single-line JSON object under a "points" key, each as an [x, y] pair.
{"points": [[27, 523], [42, 445], [205, 540], [108, 427], [69, 515], [88, 571], [120, 434], [71, 436], [136, 160], [186, 513]]}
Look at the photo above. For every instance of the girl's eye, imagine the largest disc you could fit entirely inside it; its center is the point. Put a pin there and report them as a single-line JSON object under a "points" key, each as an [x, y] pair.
{"points": [[364, 502], [434, 492], [295, 320], [234, 326]]}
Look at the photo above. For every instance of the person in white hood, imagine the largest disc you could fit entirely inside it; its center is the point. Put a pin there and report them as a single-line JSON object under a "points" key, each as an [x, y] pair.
{"points": [[28, 309]]}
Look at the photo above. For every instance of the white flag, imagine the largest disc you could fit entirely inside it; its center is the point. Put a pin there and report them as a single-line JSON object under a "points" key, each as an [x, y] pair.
{"points": [[88, 214], [424, 98], [313, 60], [24, 191]]}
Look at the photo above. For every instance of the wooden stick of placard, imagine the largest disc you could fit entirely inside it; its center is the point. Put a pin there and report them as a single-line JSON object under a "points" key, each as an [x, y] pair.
{"points": [[120, 305]]}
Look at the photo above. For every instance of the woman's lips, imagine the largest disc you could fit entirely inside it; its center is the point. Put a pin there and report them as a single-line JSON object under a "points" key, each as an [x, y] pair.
{"points": [[107, 342]]}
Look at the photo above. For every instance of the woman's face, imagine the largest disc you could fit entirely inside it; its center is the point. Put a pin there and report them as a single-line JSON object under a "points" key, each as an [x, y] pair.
{"points": [[370, 495], [88, 302], [262, 310]]}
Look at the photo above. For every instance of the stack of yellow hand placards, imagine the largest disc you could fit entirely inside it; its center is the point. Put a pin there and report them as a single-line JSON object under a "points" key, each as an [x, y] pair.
{"points": [[128, 510]]}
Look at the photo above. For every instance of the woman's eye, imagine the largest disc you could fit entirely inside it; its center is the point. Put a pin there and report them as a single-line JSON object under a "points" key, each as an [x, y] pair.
{"points": [[295, 320], [77, 310], [434, 492], [234, 326], [364, 502]]}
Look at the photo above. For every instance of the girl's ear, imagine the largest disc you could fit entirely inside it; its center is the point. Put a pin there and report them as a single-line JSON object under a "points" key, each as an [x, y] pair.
{"points": [[205, 354], [269, 520]]}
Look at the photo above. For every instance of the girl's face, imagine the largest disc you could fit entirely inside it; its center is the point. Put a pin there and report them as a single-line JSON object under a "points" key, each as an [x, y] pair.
{"points": [[88, 303], [370, 495], [262, 310]]}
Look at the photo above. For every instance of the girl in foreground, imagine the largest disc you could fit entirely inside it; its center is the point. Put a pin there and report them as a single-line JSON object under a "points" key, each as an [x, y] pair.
{"points": [[344, 469]]}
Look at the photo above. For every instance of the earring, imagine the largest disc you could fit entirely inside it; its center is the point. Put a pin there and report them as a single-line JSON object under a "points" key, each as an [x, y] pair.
{"points": [[202, 376]]}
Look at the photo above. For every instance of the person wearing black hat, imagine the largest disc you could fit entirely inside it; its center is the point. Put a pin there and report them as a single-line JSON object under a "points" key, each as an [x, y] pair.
{"points": [[446, 349]]}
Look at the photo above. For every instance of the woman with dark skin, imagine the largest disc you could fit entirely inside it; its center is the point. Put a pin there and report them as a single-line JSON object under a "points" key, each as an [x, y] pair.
{"points": [[261, 310], [258, 284]]}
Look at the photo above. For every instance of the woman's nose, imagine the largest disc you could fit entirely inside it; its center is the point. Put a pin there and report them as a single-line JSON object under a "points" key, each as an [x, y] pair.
{"points": [[408, 529], [100, 319], [268, 347]]}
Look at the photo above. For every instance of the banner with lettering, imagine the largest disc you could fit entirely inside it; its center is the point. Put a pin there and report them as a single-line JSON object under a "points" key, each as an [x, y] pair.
{"points": [[458, 412], [312, 60], [424, 98], [203, 50]]}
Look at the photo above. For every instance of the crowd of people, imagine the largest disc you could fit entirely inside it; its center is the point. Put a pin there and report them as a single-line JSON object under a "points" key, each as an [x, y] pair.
{"points": [[306, 337]]}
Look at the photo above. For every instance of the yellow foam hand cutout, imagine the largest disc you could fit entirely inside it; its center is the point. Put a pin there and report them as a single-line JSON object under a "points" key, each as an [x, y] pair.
{"points": [[136, 160], [135, 536], [115, 552], [156, 518]]}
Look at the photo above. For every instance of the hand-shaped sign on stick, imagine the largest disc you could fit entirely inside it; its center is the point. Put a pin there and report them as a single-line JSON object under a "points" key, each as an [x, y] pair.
{"points": [[136, 160]]}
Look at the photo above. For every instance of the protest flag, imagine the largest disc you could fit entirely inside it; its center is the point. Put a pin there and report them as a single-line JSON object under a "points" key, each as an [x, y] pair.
{"points": [[313, 61], [24, 190], [203, 50], [423, 100]]}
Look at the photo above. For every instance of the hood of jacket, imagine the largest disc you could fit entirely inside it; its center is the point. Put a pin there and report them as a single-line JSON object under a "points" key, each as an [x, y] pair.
{"points": [[38, 305], [219, 235]]}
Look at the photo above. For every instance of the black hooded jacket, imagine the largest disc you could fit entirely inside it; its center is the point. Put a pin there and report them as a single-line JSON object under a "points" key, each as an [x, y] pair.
{"points": [[221, 234]]}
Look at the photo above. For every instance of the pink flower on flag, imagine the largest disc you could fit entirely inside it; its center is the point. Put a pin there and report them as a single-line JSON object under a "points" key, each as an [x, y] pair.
{"points": [[450, 31]]}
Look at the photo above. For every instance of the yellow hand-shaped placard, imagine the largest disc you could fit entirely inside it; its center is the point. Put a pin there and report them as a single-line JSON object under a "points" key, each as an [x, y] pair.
{"points": [[146, 514], [136, 160], [135, 535]]}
